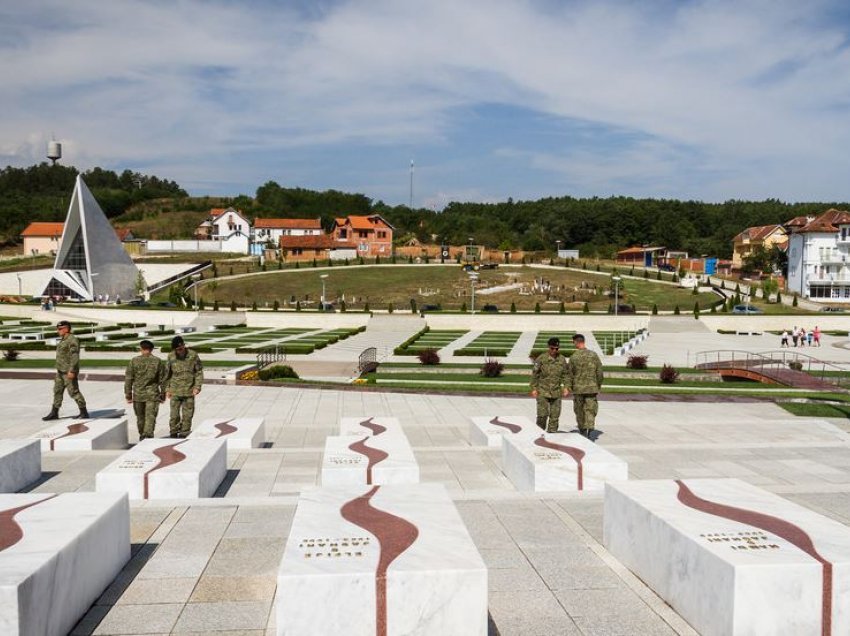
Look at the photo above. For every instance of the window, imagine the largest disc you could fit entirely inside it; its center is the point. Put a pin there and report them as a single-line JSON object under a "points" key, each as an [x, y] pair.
{"points": [[382, 234], [343, 233]]}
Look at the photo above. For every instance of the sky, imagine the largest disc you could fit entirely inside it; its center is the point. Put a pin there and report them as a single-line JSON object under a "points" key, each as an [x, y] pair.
{"points": [[709, 100]]}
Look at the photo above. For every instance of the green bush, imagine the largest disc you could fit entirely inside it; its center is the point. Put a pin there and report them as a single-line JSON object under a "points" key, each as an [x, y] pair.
{"points": [[668, 375], [654, 310], [232, 305], [491, 369], [429, 357], [277, 371], [585, 309], [536, 308], [562, 308], [676, 311], [276, 305]]}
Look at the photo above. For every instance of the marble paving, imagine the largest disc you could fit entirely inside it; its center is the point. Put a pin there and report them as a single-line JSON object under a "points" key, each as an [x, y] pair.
{"points": [[207, 566]]}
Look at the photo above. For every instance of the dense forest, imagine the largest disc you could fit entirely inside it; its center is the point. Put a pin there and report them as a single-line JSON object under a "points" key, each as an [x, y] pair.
{"points": [[595, 226]]}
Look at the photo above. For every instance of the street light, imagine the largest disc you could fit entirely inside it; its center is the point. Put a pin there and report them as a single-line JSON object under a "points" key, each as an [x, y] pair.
{"points": [[616, 281], [323, 277], [20, 289], [472, 279]]}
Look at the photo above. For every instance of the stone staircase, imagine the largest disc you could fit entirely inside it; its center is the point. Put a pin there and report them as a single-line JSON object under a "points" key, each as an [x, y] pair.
{"points": [[384, 332]]}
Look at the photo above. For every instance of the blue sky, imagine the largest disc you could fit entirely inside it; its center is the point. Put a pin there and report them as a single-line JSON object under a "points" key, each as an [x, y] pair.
{"points": [[707, 100]]}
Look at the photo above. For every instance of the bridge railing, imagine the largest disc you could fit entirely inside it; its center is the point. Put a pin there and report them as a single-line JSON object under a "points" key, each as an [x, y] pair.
{"points": [[778, 359]]}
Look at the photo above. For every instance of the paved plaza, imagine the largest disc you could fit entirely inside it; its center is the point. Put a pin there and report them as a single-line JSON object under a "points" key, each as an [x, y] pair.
{"points": [[210, 565]]}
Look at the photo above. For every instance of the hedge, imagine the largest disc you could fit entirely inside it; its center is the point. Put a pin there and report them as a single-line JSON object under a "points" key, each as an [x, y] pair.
{"points": [[400, 350], [495, 353]]}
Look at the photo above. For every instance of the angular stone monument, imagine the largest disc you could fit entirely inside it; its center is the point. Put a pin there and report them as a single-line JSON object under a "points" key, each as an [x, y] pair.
{"points": [[84, 435], [239, 432], [732, 558], [20, 463], [385, 458], [490, 429], [369, 425], [555, 462], [382, 560], [58, 553], [167, 469]]}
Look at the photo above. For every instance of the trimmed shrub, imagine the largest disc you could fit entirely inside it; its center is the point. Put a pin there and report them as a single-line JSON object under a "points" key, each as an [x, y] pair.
{"points": [[297, 305], [536, 308], [637, 362], [696, 310], [215, 305], [513, 308], [412, 305], [654, 310], [232, 305], [585, 309], [429, 357], [342, 306], [201, 305], [794, 302], [562, 308], [390, 308], [254, 306], [276, 305], [779, 297], [366, 308], [492, 368], [668, 375], [676, 311], [10, 355], [658, 275], [277, 371], [463, 308]]}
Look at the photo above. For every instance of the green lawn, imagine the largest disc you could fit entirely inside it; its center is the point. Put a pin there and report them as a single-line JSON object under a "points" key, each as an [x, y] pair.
{"points": [[817, 410]]}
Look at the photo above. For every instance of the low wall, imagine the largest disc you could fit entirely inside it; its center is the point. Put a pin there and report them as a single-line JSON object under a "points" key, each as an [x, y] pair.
{"points": [[315, 319], [537, 322], [825, 321]]}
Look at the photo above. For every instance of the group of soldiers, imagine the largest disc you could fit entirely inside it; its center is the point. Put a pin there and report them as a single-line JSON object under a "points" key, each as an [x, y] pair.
{"points": [[148, 381], [553, 377]]}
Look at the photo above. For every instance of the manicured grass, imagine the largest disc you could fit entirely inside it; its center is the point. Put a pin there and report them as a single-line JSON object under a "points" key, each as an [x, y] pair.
{"points": [[96, 363], [817, 410]]}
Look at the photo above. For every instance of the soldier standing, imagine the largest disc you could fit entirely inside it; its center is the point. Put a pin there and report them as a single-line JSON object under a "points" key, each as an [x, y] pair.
{"points": [[585, 381], [144, 388], [548, 377], [185, 375], [67, 372]]}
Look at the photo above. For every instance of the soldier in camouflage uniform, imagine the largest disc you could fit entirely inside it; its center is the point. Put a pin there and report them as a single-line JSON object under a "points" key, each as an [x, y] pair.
{"points": [[585, 381], [548, 377], [144, 388], [67, 372], [185, 375]]}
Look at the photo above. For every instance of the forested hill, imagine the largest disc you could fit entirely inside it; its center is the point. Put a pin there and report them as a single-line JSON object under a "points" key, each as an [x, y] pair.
{"points": [[43, 193], [158, 208]]}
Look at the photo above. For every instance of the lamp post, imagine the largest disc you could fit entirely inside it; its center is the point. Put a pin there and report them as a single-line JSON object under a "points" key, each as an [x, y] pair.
{"points": [[616, 281], [20, 289], [323, 277], [472, 279], [558, 249]]}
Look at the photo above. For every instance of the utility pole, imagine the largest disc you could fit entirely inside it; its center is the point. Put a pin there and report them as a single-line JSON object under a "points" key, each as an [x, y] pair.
{"points": [[411, 184]]}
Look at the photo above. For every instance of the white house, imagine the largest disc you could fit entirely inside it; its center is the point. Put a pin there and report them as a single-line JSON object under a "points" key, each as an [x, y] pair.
{"points": [[267, 232], [819, 258]]}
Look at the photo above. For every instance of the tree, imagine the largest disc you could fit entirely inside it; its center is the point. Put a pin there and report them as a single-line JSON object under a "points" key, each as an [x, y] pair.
{"points": [[676, 311], [232, 305], [585, 309], [654, 309], [536, 308], [463, 308], [276, 305], [562, 308], [696, 309]]}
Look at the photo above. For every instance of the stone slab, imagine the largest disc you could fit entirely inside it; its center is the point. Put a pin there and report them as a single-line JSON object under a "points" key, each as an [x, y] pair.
{"points": [[490, 429], [239, 432], [396, 555], [369, 425], [732, 558], [167, 469], [84, 435], [386, 458], [58, 553], [20, 463], [556, 462]]}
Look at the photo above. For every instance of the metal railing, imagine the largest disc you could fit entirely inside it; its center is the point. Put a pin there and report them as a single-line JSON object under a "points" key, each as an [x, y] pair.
{"points": [[270, 356], [368, 360], [173, 279], [781, 359]]}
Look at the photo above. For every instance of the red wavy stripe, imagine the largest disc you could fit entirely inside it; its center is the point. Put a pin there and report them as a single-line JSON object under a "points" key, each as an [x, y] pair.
{"points": [[73, 429], [576, 453], [513, 428], [793, 534], [374, 455], [168, 456], [376, 429], [394, 534], [10, 531], [226, 428]]}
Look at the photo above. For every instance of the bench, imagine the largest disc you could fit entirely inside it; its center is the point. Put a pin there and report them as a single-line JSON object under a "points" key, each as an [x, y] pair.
{"points": [[167, 469], [386, 458], [363, 556], [732, 558], [490, 429], [84, 435], [239, 432], [559, 462], [20, 464]]}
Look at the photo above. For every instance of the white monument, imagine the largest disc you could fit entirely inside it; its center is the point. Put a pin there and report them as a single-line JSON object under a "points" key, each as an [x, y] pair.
{"points": [[84, 435], [239, 432], [20, 464], [369, 425], [373, 560], [732, 558], [489, 430], [167, 469], [386, 458], [556, 462]]}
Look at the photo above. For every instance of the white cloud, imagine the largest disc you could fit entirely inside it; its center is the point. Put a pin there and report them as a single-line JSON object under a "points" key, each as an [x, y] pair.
{"points": [[727, 98]]}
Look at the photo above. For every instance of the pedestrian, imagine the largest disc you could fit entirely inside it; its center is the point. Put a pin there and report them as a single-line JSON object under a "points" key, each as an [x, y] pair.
{"points": [[144, 388], [67, 372], [817, 336], [185, 375], [795, 335], [802, 336], [548, 380], [585, 382], [810, 336], [784, 341]]}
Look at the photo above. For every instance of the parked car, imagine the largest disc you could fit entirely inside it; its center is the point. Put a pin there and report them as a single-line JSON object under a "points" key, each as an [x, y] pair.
{"points": [[834, 309], [746, 309], [490, 308], [431, 308], [625, 309], [327, 307], [139, 303], [166, 304], [667, 268], [489, 265]]}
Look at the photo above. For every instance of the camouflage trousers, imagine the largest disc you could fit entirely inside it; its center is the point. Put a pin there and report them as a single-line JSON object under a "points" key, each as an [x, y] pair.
{"points": [[146, 412], [585, 406], [182, 412], [548, 409], [61, 383]]}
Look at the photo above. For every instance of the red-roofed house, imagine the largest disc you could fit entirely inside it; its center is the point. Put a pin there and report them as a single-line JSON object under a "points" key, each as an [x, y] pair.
{"points": [[228, 226], [371, 235], [765, 236], [819, 257], [44, 237], [270, 230], [307, 247], [641, 256]]}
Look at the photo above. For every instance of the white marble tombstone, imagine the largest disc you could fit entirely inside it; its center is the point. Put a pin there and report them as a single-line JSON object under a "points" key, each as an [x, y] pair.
{"points": [[239, 432], [84, 435], [490, 429], [20, 463], [58, 553], [386, 458], [167, 469], [556, 462], [398, 556], [369, 425], [732, 558]]}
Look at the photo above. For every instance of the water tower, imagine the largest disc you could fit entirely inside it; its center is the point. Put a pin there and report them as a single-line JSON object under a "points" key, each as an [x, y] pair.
{"points": [[54, 151]]}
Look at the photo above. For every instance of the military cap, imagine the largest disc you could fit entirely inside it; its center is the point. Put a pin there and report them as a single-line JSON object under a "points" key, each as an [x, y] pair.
{"points": [[176, 341], [554, 342], [63, 323]]}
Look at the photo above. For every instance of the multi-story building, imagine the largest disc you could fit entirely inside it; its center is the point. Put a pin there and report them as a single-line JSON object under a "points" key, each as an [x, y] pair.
{"points": [[269, 231], [765, 236], [227, 226], [371, 235], [819, 257], [44, 238]]}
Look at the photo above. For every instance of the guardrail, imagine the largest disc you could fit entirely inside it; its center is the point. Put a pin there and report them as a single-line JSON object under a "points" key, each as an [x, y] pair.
{"points": [[184, 274], [270, 356], [777, 359], [368, 360]]}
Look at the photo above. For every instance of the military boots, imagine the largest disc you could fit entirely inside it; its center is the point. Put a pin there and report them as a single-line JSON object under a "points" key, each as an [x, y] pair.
{"points": [[53, 415]]}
